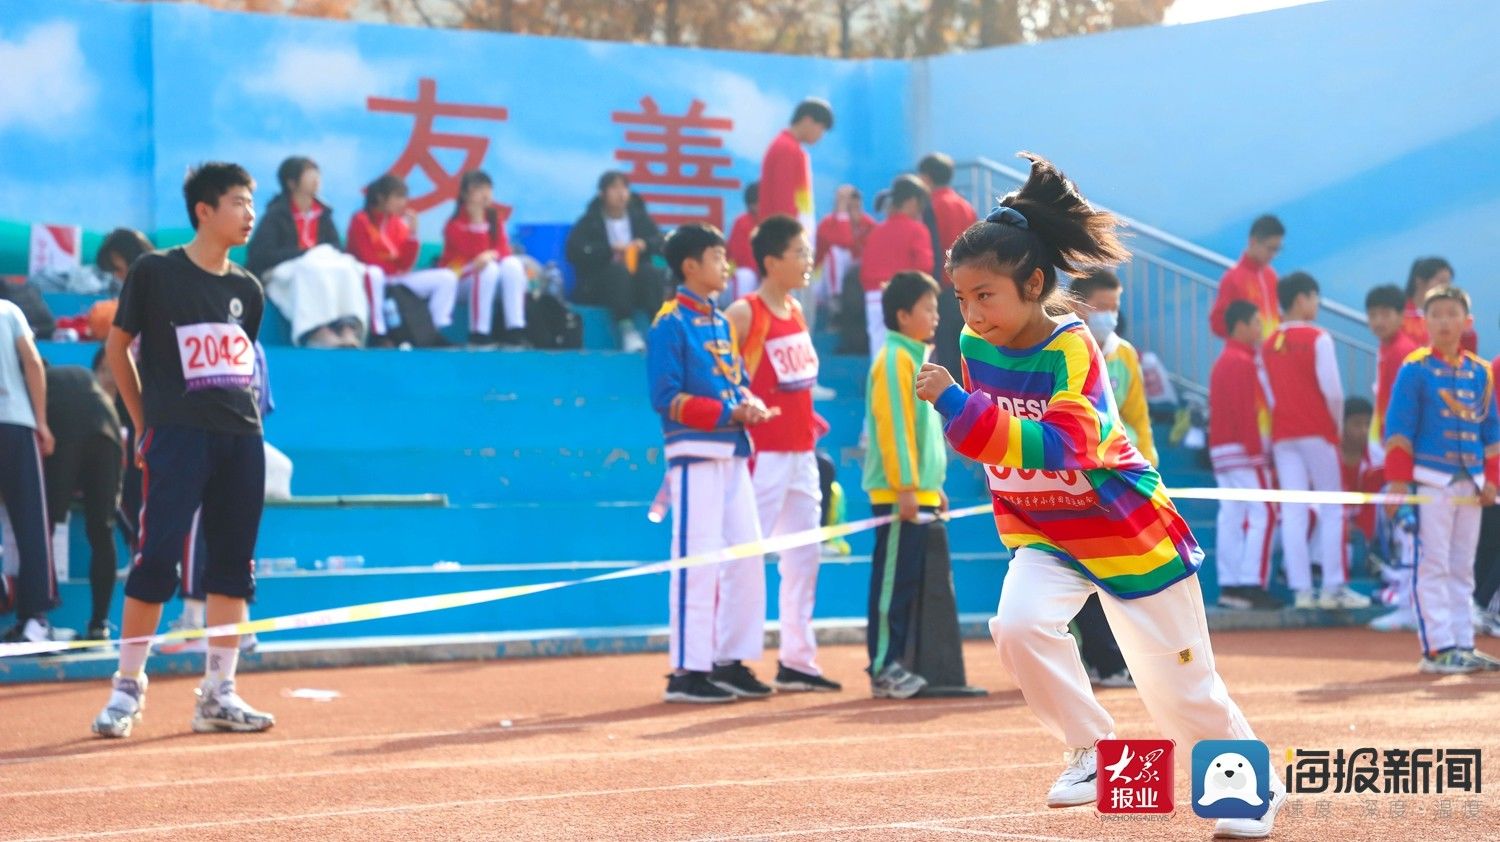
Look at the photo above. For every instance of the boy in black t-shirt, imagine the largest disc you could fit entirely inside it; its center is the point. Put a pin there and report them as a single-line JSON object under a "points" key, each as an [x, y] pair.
{"points": [[197, 316]]}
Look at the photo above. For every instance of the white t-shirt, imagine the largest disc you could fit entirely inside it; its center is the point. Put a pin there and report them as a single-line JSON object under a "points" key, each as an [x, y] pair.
{"points": [[618, 230], [15, 399]]}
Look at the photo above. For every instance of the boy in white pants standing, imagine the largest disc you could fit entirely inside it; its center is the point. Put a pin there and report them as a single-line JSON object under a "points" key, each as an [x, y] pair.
{"points": [[783, 369], [1442, 432], [1307, 413], [717, 614]]}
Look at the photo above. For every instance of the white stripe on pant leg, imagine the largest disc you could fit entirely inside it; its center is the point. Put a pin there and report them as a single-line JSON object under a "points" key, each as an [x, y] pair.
{"points": [[1164, 640], [1291, 469], [1261, 518], [697, 518], [1326, 474], [741, 611], [1433, 576], [1231, 544], [1038, 599]]}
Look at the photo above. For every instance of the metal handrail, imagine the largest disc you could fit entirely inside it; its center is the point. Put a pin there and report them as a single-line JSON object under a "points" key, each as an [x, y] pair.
{"points": [[1158, 312]]}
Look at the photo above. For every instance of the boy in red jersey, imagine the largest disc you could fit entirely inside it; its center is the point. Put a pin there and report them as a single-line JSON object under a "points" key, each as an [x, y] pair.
{"points": [[899, 244], [783, 368], [1252, 279]]}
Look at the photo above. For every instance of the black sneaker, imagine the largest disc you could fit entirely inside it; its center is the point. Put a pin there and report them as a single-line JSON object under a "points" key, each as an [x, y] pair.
{"points": [[789, 680], [1261, 599], [98, 630], [739, 680], [695, 688]]}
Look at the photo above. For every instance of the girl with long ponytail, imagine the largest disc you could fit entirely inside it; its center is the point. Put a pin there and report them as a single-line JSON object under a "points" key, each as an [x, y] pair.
{"points": [[1077, 505]]}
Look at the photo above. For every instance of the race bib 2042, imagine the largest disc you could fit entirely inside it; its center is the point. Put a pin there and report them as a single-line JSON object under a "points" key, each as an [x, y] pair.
{"points": [[794, 360], [215, 355]]}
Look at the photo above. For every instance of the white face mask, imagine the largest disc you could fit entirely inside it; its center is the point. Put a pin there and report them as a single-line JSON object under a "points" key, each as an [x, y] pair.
{"points": [[1102, 324]]}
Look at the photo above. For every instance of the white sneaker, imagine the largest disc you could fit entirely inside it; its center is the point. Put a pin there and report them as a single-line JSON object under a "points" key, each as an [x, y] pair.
{"points": [[1079, 782], [1343, 598], [1398, 620], [630, 340], [1304, 600], [127, 702], [1254, 828], [220, 708]]}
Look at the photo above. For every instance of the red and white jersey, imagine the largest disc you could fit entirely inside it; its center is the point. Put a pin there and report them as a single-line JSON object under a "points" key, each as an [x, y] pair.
{"points": [[1301, 381], [783, 367], [1238, 420]]}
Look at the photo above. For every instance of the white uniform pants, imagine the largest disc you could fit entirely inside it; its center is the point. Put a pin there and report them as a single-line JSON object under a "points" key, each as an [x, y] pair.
{"points": [[717, 613], [1164, 638], [1311, 464], [1444, 587], [505, 277], [438, 287], [789, 499], [320, 287], [1243, 553], [875, 322]]}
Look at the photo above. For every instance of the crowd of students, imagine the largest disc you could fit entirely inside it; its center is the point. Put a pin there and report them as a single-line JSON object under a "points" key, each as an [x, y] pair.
{"points": [[1280, 419]]}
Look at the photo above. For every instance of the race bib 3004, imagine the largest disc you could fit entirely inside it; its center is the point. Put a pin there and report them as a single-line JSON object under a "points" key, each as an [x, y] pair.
{"points": [[794, 360], [215, 355], [1042, 490]]}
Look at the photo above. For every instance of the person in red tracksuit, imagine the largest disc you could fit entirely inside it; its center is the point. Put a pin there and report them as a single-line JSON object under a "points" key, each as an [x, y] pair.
{"points": [[383, 236], [1253, 279], [1307, 413], [476, 248], [786, 171], [1383, 307], [899, 244], [1426, 275], [745, 279], [1238, 447], [948, 216], [841, 237]]}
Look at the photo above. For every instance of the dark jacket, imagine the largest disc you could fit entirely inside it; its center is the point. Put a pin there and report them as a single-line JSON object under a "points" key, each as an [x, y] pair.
{"points": [[275, 239], [77, 408], [588, 243]]}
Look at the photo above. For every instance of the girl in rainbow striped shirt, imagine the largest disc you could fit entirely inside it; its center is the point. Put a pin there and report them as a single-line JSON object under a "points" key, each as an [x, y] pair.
{"points": [[1077, 505]]}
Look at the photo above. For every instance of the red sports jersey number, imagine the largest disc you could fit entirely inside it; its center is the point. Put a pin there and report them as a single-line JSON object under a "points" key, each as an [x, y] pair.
{"points": [[207, 353]]}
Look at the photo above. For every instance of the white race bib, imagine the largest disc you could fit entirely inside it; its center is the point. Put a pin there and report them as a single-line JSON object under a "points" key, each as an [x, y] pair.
{"points": [[215, 355], [1042, 490], [794, 360]]}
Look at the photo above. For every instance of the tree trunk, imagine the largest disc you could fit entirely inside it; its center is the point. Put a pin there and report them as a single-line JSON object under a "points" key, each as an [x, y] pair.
{"points": [[672, 35], [999, 22], [846, 48]]}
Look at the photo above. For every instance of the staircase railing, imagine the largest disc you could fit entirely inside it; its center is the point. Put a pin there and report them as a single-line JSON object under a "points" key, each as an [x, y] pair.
{"points": [[1170, 286]]}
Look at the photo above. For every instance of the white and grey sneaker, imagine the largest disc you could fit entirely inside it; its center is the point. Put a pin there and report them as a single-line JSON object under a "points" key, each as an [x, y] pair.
{"points": [[1304, 600], [1079, 782], [1342, 597], [220, 708], [1254, 828], [1113, 680], [896, 682], [1401, 619], [126, 703]]}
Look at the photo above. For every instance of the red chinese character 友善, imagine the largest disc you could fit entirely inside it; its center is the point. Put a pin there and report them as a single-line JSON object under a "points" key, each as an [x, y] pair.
{"points": [[673, 161], [418, 153]]}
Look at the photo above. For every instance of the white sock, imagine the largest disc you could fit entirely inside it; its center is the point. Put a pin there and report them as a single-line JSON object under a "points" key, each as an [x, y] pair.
{"points": [[133, 659], [195, 612], [222, 662]]}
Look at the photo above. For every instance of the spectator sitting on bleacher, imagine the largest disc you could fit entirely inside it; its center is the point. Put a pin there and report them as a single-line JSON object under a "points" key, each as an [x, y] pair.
{"points": [[86, 461], [383, 236], [610, 248], [899, 244], [476, 247], [119, 249], [295, 250]]}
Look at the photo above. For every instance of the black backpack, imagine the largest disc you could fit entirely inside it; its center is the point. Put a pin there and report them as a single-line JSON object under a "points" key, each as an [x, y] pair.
{"points": [[415, 324], [33, 307], [550, 323]]}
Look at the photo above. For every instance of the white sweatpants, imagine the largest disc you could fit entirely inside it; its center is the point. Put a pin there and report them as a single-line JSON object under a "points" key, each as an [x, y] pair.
{"points": [[1444, 582], [789, 499], [1311, 464], [438, 287], [506, 277], [716, 613], [1164, 638], [320, 287], [874, 322], [1243, 552]]}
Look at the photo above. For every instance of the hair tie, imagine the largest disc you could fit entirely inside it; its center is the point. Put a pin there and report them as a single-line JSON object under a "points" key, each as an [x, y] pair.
{"points": [[1003, 215]]}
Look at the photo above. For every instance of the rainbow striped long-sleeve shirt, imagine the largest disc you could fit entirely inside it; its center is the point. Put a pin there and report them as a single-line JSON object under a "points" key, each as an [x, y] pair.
{"points": [[1063, 476]]}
